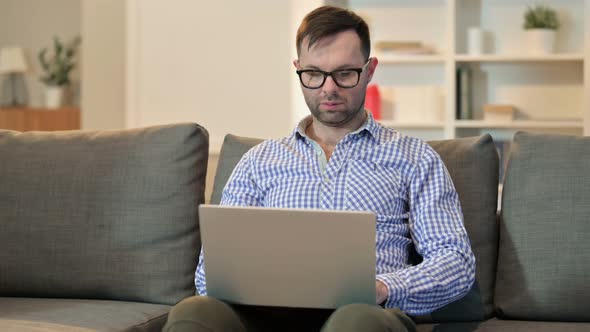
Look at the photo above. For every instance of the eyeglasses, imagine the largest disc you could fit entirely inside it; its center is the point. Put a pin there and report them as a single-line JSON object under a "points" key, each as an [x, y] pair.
{"points": [[344, 78]]}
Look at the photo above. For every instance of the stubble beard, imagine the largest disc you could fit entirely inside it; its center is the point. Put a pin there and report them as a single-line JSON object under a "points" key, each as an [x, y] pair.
{"points": [[342, 118]]}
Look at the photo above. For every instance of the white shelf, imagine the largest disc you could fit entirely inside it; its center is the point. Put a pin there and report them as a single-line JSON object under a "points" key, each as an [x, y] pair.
{"points": [[519, 58], [524, 124], [401, 59], [549, 86], [410, 125]]}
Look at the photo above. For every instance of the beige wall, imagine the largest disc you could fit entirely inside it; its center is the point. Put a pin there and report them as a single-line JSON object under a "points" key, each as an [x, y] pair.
{"points": [[224, 65], [32, 24], [104, 68]]}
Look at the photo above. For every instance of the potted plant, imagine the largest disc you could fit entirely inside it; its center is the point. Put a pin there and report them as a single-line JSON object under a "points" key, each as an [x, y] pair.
{"points": [[540, 23], [57, 67]]}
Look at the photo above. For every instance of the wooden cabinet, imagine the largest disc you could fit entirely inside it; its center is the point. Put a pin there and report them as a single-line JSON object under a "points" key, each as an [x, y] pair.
{"points": [[40, 119]]}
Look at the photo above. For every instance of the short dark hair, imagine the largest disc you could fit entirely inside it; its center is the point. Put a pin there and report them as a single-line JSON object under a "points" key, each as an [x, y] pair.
{"points": [[329, 20]]}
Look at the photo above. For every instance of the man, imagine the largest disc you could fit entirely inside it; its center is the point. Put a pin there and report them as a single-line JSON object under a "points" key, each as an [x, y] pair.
{"points": [[340, 158]]}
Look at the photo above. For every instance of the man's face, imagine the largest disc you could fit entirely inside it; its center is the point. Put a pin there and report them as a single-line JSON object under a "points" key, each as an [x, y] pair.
{"points": [[330, 104]]}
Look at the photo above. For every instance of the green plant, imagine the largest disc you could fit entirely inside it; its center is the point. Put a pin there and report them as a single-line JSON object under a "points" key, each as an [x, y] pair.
{"points": [[58, 65], [541, 17]]}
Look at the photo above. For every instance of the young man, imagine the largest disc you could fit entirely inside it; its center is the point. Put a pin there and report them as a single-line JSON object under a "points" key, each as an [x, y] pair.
{"points": [[339, 158]]}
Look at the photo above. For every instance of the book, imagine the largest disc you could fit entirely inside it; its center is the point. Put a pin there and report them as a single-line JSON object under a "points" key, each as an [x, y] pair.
{"points": [[498, 113], [396, 45], [464, 93], [402, 48]]}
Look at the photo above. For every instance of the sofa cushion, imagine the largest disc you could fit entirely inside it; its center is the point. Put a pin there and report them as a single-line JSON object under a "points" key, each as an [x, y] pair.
{"points": [[544, 254], [473, 165], [498, 325], [232, 150], [64, 315], [101, 215]]}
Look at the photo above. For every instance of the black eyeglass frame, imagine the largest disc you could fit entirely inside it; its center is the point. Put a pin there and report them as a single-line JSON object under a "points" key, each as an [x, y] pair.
{"points": [[330, 73]]}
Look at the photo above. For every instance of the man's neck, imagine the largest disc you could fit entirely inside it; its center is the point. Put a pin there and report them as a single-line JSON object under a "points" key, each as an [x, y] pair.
{"points": [[328, 137]]}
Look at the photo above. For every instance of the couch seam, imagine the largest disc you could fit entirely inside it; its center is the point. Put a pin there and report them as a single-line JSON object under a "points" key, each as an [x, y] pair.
{"points": [[150, 320], [191, 321]]}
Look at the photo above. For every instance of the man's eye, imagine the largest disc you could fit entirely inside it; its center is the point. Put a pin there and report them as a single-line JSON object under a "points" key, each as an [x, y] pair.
{"points": [[315, 74], [345, 73]]}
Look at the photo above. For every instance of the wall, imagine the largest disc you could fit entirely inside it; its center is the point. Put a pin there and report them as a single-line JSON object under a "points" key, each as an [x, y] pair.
{"points": [[224, 65], [104, 66], [32, 24], [587, 74]]}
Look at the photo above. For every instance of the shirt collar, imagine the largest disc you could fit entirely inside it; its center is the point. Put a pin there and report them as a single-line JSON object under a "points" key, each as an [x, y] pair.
{"points": [[370, 125]]}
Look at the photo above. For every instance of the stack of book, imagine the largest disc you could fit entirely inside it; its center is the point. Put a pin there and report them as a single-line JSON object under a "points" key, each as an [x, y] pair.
{"points": [[498, 113], [402, 48]]}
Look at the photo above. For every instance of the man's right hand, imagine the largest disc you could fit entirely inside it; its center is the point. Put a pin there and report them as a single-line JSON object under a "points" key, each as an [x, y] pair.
{"points": [[382, 292]]}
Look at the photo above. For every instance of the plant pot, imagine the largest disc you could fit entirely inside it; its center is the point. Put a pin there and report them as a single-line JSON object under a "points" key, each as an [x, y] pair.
{"points": [[54, 96], [540, 41]]}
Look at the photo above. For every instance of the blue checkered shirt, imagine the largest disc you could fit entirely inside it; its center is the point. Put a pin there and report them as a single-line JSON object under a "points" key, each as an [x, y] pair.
{"points": [[375, 168]]}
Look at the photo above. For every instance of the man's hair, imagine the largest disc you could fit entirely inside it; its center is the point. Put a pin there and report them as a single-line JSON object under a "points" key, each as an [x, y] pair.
{"points": [[328, 20]]}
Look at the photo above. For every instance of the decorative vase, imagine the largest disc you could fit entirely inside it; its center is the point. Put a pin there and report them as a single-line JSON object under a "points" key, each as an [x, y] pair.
{"points": [[540, 41], [474, 41], [54, 96]]}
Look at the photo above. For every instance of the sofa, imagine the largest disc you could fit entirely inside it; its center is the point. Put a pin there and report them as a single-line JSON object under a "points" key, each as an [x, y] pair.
{"points": [[99, 229], [533, 256]]}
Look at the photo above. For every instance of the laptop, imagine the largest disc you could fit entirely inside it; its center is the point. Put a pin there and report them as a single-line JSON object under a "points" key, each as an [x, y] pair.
{"points": [[288, 257]]}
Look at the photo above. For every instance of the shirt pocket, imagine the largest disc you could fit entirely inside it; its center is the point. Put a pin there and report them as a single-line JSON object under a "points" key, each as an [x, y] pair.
{"points": [[376, 186]]}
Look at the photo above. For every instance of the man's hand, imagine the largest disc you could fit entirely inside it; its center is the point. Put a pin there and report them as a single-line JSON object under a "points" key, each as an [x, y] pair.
{"points": [[382, 292]]}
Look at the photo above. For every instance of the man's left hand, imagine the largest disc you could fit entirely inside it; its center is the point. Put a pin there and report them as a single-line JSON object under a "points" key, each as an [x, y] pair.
{"points": [[381, 292]]}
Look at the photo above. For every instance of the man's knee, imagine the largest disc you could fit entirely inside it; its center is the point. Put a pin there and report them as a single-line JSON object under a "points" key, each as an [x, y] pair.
{"points": [[365, 317], [202, 313]]}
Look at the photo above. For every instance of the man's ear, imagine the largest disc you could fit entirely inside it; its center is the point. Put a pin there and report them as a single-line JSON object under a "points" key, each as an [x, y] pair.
{"points": [[296, 64], [371, 68]]}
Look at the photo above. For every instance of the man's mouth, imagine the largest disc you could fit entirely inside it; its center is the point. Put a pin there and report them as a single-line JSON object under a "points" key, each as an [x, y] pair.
{"points": [[330, 105]]}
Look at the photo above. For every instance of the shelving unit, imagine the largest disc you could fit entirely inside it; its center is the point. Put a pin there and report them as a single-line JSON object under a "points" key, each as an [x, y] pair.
{"points": [[400, 59], [516, 124], [519, 58], [550, 92]]}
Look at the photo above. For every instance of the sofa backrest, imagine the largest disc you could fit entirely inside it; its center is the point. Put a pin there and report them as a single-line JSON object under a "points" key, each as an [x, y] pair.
{"points": [[544, 254], [473, 163], [473, 166], [101, 215]]}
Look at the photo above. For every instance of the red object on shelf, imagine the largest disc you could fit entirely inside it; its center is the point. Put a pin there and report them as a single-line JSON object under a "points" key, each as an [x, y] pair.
{"points": [[373, 101]]}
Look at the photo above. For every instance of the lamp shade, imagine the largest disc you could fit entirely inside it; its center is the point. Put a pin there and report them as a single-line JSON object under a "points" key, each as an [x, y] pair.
{"points": [[12, 60]]}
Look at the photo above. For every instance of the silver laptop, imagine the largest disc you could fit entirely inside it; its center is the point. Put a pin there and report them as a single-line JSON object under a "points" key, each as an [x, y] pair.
{"points": [[288, 257]]}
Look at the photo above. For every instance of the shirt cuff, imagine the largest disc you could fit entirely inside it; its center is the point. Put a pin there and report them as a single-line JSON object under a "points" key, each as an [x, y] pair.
{"points": [[397, 291]]}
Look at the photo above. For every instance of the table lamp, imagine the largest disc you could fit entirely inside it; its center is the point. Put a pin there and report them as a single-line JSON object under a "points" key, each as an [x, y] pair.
{"points": [[14, 65]]}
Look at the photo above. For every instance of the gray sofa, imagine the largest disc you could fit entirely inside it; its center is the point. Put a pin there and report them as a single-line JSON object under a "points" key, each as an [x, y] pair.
{"points": [[533, 258], [98, 230]]}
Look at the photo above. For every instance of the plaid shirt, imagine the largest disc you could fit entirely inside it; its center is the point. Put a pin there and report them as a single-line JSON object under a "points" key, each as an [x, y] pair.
{"points": [[377, 169]]}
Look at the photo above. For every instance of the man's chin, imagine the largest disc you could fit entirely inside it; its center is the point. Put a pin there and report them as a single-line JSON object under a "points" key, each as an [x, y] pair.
{"points": [[334, 118]]}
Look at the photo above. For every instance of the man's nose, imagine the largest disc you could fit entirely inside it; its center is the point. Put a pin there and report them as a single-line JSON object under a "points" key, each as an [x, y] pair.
{"points": [[330, 84]]}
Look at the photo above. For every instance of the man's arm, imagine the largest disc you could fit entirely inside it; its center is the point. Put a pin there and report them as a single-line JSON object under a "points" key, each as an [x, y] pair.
{"points": [[447, 271], [240, 190]]}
